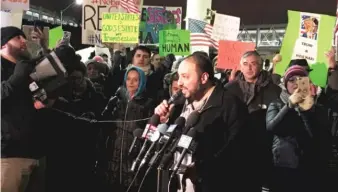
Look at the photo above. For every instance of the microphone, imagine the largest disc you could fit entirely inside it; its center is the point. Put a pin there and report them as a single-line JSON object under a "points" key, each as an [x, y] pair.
{"points": [[112, 99], [185, 142], [191, 122], [150, 127], [137, 135], [172, 132], [175, 97], [161, 129]]}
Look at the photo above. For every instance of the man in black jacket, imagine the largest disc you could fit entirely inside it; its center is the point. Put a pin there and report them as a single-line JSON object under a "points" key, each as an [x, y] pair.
{"points": [[20, 146], [219, 162]]}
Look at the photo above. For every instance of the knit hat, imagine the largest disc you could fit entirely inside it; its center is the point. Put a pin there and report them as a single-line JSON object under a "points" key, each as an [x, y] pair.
{"points": [[295, 70], [98, 59], [7, 33]]}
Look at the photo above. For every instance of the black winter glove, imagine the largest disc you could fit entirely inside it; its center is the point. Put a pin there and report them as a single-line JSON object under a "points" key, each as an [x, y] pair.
{"points": [[21, 73]]}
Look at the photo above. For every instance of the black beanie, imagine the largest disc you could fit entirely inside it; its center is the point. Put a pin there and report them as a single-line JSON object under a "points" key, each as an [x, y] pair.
{"points": [[7, 33]]}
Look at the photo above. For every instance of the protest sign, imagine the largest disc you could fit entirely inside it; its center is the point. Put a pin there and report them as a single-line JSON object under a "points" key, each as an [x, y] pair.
{"points": [[157, 18], [92, 12], [11, 18], [176, 42], [15, 5], [230, 53], [55, 35], [120, 27], [225, 27], [308, 36]]}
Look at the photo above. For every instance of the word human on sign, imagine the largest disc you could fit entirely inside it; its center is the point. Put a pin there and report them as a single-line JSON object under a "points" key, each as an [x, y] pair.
{"points": [[120, 27], [174, 41]]}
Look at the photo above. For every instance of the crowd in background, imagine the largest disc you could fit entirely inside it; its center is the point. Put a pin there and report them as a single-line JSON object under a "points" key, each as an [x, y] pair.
{"points": [[84, 147]]}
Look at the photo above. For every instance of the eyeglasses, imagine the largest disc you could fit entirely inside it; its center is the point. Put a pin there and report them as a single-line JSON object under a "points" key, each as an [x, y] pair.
{"points": [[293, 79]]}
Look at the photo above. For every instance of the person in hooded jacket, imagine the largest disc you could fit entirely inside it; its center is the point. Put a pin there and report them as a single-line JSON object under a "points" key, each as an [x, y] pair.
{"points": [[132, 111]]}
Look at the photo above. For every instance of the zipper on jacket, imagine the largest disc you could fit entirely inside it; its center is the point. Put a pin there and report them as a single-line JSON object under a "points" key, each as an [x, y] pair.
{"points": [[122, 143]]}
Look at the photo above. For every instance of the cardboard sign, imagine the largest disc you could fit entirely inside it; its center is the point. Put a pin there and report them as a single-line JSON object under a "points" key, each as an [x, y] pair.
{"points": [[307, 36], [225, 27], [92, 13], [11, 18], [176, 42], [55, 35], [157, 18], [120, 27], [230, 53]]}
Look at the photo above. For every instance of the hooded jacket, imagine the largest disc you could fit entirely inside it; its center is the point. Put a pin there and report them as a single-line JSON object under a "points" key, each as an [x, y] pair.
{"points": [[129, 114], [142, 81]]}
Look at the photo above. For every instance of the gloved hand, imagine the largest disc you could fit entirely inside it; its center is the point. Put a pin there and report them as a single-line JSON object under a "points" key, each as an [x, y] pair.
{"points": [[21, 72], [295, 98]]}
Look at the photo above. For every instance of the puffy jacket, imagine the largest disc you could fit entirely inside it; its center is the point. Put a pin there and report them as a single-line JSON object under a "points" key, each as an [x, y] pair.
{"points": [[300, 139]]}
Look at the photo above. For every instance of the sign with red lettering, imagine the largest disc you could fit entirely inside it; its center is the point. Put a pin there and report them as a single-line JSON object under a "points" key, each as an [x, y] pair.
{"points": [[230, 53], [14, 4]]}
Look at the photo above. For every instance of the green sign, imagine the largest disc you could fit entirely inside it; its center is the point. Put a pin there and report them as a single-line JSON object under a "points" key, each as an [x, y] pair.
{"points": [[176, 42], [55, 35], [308, 36]]}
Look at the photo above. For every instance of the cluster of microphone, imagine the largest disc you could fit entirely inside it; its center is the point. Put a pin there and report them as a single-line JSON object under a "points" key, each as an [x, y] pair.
{"points": [[161, 141]]}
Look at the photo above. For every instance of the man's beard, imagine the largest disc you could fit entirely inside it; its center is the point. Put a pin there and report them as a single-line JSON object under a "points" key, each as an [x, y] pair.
{"points": [[196, 94], [18, 53]]}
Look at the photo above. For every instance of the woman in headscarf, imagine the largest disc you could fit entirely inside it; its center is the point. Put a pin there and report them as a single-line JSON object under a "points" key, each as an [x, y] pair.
{"points": [[132, 111]]}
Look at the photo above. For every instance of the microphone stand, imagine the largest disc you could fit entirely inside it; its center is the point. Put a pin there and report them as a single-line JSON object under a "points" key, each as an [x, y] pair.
{"points": [[159, 180], [162, 180]]}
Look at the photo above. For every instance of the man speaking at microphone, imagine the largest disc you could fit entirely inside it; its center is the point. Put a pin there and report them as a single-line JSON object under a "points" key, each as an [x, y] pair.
{"points": [[218, 159]]}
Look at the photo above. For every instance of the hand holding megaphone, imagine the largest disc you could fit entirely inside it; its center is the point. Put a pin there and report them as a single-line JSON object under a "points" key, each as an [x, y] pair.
{"points": [[21, 72]]}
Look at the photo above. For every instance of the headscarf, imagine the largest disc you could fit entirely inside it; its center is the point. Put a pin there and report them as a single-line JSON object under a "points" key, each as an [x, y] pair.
{"points": [[142, 80]]}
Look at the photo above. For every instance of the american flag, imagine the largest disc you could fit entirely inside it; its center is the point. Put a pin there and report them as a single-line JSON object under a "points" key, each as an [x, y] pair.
{"points": [[130, 6], [200, 34]]}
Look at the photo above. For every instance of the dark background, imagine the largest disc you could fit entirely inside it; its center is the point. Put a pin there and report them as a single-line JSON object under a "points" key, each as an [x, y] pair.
{"points": [[252, 12]]}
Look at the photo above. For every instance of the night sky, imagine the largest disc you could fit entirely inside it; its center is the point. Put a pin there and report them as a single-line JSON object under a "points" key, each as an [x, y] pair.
{"points": [[251, 11]]}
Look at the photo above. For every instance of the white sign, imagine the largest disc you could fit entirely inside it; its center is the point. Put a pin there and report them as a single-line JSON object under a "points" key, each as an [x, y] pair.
{"points": [[305, 49], [12, 18], [306, 45], [92, 17], [105, 50], [225, 27], [14, 4]]}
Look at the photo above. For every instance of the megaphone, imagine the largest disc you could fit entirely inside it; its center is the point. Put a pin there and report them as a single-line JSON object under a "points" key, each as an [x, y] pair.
{"points": [[51, 72]]}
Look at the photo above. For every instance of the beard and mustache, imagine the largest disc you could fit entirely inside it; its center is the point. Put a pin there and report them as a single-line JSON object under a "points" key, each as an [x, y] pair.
{"points": [[19, 53]]}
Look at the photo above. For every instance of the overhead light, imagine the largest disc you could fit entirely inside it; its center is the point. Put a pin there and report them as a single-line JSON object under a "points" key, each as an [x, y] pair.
{"points": [[79, 2]]}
